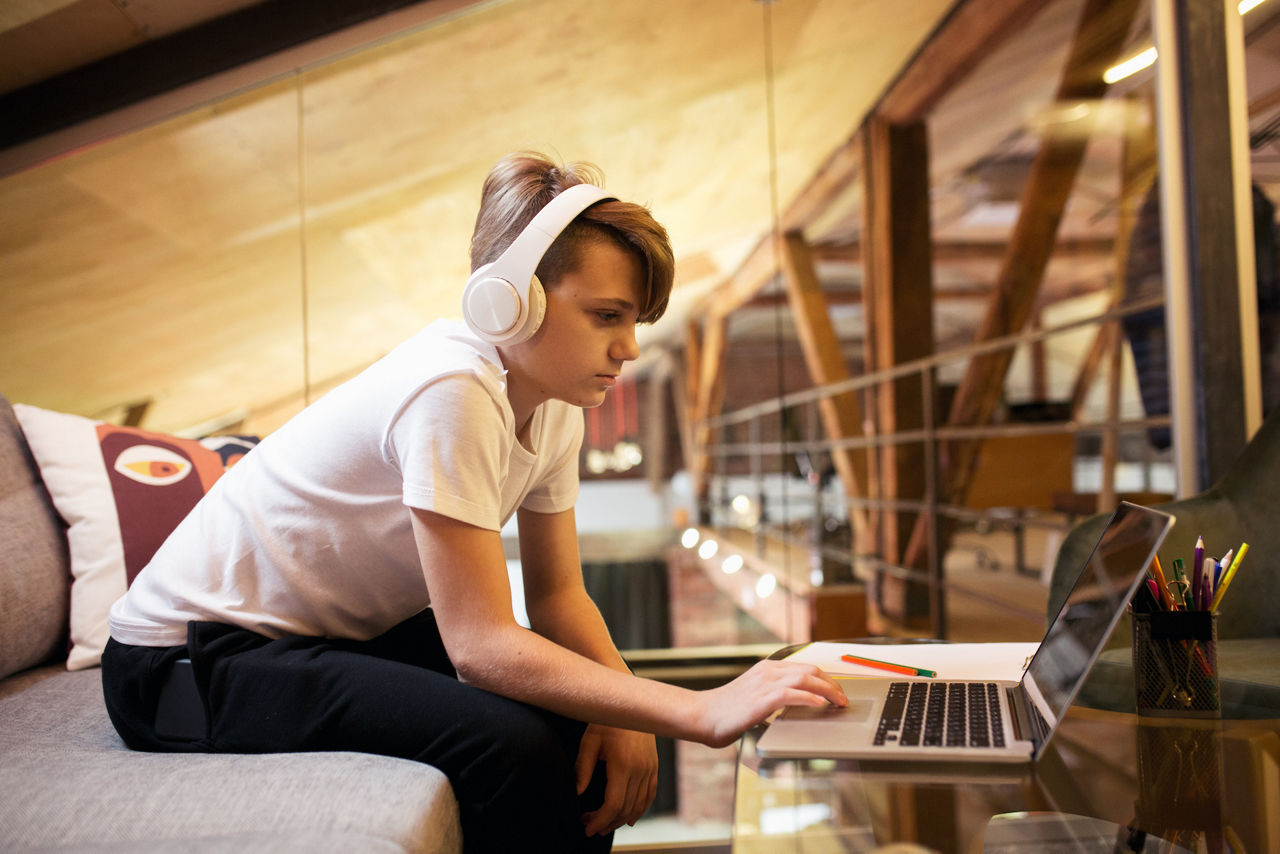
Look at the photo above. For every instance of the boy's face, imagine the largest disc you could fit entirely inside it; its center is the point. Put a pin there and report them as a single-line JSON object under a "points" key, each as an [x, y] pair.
{"points": [[588, 332]]}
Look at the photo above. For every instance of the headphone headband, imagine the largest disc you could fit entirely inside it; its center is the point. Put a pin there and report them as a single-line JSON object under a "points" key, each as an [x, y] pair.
{"points": [[503, 302]]}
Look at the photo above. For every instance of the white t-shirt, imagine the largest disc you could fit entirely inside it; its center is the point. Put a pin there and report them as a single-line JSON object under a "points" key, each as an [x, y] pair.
{"points": [[310, 533]]}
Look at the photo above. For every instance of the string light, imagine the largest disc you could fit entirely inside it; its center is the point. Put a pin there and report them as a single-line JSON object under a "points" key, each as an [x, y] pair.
{"points": [[766, 585]]}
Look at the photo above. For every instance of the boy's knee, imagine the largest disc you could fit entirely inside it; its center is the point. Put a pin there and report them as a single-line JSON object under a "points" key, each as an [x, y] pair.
{"points": [[521, 771], [532, 742], [501, 741]]}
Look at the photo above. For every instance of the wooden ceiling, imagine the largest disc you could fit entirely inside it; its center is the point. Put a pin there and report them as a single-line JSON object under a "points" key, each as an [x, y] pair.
{"points": [[224, 253]]}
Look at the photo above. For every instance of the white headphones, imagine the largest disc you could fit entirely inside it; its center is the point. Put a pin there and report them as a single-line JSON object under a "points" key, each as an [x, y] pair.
{"points": [[503, 302]]}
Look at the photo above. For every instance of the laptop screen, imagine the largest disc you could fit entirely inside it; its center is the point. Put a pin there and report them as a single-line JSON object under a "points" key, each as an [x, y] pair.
{"points": [[1076, 636]]}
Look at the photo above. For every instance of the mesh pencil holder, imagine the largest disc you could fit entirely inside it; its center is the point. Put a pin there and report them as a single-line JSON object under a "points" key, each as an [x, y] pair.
{"points": [[1175, 664]]}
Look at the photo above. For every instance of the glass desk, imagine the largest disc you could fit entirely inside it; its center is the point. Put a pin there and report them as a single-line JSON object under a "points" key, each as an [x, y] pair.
{"points": [[1110, 781]]}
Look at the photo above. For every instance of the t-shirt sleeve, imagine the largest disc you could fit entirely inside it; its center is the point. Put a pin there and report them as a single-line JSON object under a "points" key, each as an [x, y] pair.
{"points": [[557, 490], [449, 442]]}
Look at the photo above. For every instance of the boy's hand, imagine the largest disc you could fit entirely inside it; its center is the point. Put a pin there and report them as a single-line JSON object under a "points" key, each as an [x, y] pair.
{"points": [[728, 711], [631, 774]]}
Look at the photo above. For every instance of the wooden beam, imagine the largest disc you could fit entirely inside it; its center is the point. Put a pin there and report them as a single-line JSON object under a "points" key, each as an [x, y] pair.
{"points": [[963, 40], [841, 415], [1088, 369], [899, 271], [694, 451], [872, 545], [1111, 438], [683, 410], [708, 383], [657, 415], [692, 365], [1100, 36], [899, 309], [740, 288], [1039, 363]]}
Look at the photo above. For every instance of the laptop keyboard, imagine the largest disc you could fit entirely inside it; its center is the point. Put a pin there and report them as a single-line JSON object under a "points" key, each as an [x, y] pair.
{"points": [[942, 714]]}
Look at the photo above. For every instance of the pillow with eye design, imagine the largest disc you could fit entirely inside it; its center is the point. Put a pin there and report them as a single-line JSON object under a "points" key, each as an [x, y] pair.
{"points": [[121, 491]]}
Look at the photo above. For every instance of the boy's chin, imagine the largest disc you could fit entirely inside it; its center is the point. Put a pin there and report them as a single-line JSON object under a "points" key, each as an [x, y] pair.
{"points": [[585, 401]]}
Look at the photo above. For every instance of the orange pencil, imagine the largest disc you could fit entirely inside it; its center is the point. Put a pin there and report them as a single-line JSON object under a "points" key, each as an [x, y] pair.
{"points": [[887, 665], [1158, 572]]}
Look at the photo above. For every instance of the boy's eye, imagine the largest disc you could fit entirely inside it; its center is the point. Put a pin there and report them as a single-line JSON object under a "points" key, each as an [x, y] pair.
{"points": [[607, 316]]}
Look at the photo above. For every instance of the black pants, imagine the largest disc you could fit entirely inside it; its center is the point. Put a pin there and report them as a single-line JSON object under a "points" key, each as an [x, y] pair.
{"points": [[510, 764]]}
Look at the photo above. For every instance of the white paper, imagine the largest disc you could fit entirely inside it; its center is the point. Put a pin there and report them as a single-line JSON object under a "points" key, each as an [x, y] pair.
{"points": [[981, 661]]}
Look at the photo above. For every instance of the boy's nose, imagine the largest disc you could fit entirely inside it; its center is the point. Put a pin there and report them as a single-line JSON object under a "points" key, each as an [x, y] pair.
{"points": [[625, 347]]}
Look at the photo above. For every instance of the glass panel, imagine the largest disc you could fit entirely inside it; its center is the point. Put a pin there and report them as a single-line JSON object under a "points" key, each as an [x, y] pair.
{"points": [[173, 268]]}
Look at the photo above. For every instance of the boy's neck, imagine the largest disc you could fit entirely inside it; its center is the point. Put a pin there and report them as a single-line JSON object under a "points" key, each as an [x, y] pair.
{"points": [[522, 408]]}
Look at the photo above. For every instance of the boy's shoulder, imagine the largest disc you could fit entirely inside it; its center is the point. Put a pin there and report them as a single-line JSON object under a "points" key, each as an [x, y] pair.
{"points": [[442, 348]]}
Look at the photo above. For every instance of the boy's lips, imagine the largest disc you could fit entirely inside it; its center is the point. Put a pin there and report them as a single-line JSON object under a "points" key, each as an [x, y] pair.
{"points": [[608, 380]]}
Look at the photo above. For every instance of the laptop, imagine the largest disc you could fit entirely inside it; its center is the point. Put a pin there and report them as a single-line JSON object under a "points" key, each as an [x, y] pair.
{"points": [[940, 720]]}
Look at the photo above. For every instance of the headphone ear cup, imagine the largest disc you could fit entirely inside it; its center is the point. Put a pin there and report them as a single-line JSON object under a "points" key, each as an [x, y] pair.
{"points": [[537, 311], [497, 305], [491, 307]]}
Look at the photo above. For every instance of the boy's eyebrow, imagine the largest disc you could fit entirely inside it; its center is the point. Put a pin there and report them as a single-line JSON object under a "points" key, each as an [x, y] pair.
{"points": [[616, 302]]}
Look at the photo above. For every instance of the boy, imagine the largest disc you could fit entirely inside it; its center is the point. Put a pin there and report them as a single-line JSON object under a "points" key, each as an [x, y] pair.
{"points": [[344, 586]]}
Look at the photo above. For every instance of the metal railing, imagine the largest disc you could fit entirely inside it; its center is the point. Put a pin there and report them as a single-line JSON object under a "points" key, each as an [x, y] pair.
{"points": [[931, 435]]}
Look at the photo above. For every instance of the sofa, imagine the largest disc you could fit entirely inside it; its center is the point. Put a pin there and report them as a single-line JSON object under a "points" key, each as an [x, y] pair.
{"points": [[68, 783]]}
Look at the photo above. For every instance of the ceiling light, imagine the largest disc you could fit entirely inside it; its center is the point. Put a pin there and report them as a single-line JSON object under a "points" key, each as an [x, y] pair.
{"points": [[1130, 66], [689, 538], [731, 564], [708, 549]]}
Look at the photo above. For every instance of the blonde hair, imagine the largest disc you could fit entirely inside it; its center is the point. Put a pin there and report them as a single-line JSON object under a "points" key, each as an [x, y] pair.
{"points": [[522, 184]]}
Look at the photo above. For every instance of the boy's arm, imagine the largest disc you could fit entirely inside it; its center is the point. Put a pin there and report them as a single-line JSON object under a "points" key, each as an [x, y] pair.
{"points": [[556, 599], [466, 575], [560, 609]]}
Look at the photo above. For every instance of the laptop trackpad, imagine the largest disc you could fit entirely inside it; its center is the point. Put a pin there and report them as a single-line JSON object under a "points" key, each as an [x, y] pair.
{"points": [[858, 710]]}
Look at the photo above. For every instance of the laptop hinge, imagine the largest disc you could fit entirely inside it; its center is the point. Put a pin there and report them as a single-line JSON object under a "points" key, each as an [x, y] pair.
{"points": [[1025, 725]]}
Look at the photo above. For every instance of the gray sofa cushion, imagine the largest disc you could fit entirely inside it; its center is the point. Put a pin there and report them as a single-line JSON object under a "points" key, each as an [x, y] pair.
{"points": [[67, 781], [35, 571]]}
